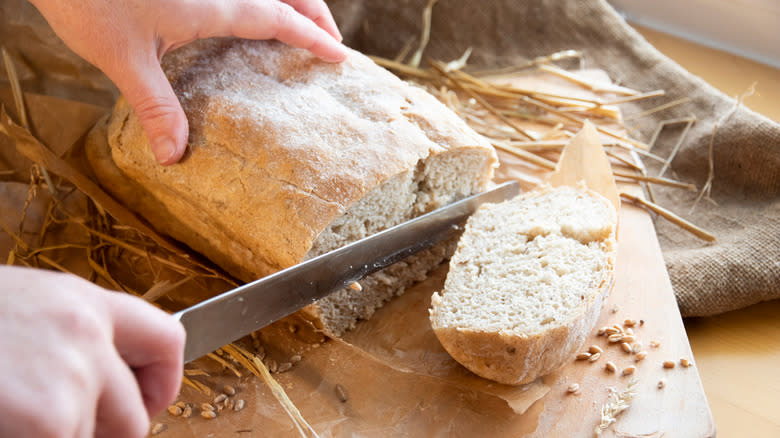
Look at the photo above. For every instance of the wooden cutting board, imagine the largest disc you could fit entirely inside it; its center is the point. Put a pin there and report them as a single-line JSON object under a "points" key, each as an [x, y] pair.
{"points": [[642, 292]]}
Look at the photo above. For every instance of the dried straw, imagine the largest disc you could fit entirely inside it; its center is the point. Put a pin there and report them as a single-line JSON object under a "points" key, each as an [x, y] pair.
{"points": [[258, 368], [688, 123], [597, 87], [671, 217], [654, 110], [706, 190], [557, 56], [426, 33], [21, 109]]}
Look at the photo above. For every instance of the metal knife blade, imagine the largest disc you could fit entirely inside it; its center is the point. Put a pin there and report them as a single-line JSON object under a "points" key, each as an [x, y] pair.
{"points": [[240, 311]]}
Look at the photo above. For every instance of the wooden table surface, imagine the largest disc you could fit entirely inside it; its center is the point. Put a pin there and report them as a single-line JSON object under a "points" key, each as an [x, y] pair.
{"points": [[738, 353]]}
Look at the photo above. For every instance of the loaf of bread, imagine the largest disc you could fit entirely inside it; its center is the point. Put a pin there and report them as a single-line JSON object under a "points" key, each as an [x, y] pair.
{"points": [[290, 157], [527, 283]]}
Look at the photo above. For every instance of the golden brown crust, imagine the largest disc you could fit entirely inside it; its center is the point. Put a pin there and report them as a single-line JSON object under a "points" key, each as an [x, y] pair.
{"points": [[515, 360], [280, 145]]}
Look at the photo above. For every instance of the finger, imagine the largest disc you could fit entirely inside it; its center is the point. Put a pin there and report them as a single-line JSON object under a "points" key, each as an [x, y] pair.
{"points": [[270, 19], [149, 93], [318, 12], [121, 411], [151, 342]]}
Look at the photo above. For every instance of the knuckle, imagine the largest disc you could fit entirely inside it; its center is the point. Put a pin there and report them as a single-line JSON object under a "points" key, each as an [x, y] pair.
{"points": [[154, 107], [82, 324], [282, 16]]}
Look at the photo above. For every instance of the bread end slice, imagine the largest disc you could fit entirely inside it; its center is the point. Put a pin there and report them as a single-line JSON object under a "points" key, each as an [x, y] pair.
{"points": [[527, 283]]}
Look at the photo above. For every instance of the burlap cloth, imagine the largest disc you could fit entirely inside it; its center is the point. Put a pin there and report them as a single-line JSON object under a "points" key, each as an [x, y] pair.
{"points": [[741, 268]]}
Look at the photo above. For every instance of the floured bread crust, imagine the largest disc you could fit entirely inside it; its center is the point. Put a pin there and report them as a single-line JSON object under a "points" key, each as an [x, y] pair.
{"points": [[282, 145]]}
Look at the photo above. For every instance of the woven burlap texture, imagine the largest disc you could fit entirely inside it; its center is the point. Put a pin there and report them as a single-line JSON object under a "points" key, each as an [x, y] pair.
{"points": [[740, 269]]}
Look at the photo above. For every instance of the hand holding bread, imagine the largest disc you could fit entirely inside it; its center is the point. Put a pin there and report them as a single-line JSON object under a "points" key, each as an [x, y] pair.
{"points": [[127, 39]]}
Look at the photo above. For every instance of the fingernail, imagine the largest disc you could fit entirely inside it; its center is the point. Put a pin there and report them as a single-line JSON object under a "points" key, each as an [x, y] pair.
{"points": [[340, 57], [339, 37], [163, 149]]}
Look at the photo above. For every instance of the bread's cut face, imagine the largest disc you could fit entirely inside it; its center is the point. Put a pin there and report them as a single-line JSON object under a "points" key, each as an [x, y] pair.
{"points": [[526, 283]]}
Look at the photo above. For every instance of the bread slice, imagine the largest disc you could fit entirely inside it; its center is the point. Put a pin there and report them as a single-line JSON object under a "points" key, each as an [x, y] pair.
{"points": [[527, 283], [290, 157]]}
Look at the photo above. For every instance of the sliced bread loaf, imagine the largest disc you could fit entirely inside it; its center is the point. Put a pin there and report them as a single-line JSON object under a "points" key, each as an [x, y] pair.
{"points": [[290, 157], [527, 283]]}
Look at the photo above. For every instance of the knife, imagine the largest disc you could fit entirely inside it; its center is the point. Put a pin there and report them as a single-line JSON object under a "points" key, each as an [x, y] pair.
{"points": [[240, 311]]}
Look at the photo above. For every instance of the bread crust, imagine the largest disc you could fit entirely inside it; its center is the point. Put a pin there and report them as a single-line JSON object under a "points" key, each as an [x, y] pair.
{"points": [[517, 359], [281, 144]]}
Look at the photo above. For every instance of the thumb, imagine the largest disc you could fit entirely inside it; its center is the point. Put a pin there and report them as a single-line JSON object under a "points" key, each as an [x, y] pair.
{"points": [[149, 93]]}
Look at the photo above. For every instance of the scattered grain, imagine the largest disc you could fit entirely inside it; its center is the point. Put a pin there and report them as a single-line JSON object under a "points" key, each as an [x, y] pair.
{"points": [[615, 309], [602, 331], [239, 405], [629, 339], [641, 356], [636, 347], [229, 404], [175, 410], [594, 357], [629, 331], [617, 337], [181, 404], [229, 390], [668, 364], [157, 428], [295, 358], [272, 365], [341, 393], [206, 407], [629, 370], [655, 344], [661, 383], [610, 366], [641, 322], [611, 331], [220, 398], [284, 366], [187, 412], [630, 322], [583, 356], [356, 286], [209, 415], [595, 349], [685, 362], [573, 388], [626, 347]]}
